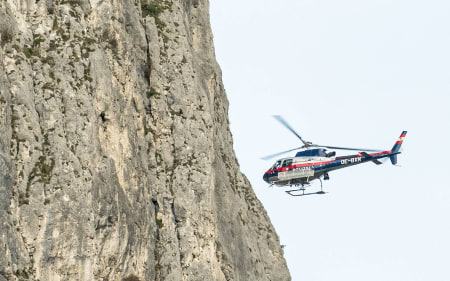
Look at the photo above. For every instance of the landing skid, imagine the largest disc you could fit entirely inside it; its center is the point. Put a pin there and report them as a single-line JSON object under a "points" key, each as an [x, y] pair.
{"points": [[303, 188], [303, 194]]}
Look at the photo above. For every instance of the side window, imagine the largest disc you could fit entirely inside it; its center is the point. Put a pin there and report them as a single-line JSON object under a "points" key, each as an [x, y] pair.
{"points": [[287, 162]]}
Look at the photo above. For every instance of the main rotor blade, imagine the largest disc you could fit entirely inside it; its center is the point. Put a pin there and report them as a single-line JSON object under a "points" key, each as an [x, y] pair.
{"points": [[347, 148], [284, 123], [268, 157]]}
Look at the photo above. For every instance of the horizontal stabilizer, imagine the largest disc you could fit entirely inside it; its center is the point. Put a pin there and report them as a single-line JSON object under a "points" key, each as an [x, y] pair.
{"points": [[376, 161]]}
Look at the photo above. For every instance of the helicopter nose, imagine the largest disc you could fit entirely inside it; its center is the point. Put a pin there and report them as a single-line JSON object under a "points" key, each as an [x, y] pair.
{"points": [[266, 177]]}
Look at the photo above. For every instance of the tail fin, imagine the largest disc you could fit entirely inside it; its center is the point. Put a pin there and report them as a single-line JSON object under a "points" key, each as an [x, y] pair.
{"points": [[396, 148]]}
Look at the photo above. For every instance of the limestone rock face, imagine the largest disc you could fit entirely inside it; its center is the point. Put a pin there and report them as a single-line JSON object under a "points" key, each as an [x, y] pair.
{"points": [[116, 159]]}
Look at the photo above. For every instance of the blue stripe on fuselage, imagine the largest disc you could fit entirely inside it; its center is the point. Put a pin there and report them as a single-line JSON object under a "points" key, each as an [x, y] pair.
{"points": [[350, 160]]}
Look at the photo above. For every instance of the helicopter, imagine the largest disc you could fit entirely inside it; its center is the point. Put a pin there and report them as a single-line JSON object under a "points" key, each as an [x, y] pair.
{"points": [[314, 162]]}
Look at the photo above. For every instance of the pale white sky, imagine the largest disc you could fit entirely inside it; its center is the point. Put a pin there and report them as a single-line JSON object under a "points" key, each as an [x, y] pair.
{"points": [[346, 73]]}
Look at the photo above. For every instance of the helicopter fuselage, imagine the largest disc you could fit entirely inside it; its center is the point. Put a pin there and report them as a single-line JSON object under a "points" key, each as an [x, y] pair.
{"points": [[312, 164]]}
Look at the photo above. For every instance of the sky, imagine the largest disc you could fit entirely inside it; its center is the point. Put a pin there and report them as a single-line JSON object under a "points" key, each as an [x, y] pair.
{"points": [[346, 73]]}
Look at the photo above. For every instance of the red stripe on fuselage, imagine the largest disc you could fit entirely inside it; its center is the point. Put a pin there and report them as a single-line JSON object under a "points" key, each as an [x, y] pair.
{"points": [[380, 153]]}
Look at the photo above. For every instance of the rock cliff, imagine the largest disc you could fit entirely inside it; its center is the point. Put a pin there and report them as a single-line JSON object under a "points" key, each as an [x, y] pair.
{"points": [[116, 159]]}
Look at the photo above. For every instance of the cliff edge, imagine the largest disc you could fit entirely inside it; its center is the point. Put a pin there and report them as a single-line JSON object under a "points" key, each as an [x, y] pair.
{"points": [[116, 158]]}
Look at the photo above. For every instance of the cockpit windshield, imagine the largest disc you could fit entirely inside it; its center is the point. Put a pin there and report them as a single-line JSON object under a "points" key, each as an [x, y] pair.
{"points": [[276, 165]]}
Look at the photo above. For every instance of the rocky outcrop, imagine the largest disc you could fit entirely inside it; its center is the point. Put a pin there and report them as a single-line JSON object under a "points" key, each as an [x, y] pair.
{"points": [[116, 159]]}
